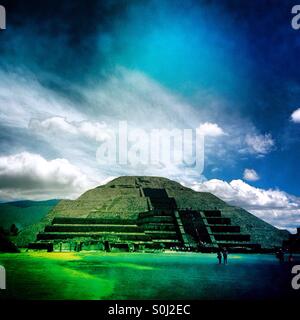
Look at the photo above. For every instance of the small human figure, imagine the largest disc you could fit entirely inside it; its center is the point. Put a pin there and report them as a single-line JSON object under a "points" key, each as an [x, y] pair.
{"points": [[225, 255], [219, 256], [280, 255]]}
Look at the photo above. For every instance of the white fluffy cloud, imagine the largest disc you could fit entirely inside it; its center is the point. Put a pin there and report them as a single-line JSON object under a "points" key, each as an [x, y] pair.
{"points": [[98, 131], [30, 176], [66, 124], [243, 193], [59, 126], [133, 96], [274, 206], [250, 175], [295, 117], [22, 98], [210, 129], [260, 144]]}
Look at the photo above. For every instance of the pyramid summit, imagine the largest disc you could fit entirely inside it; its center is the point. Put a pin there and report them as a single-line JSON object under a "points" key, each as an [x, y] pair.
{"points": [[141, 212]]}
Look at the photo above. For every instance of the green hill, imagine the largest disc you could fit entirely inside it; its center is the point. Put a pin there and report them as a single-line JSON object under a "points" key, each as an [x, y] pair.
{"points": [[24, 213]]}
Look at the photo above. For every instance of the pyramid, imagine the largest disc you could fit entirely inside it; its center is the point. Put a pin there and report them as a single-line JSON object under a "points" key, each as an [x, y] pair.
{"points": [[150, 212]]}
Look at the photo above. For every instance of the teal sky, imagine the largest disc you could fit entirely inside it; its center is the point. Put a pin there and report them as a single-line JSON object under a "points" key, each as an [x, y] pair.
{"points": [[156, 64]]}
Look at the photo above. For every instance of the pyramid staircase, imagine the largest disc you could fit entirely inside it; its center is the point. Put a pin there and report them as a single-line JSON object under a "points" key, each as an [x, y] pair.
{"points": [[159, 222], [213, 230]]}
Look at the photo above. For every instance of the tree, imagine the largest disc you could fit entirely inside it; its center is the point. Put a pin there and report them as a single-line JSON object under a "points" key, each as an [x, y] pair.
{"points": [[14, 230]]}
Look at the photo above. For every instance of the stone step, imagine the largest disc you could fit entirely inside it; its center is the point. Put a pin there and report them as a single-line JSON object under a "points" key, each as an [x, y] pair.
{"points": [[224, 229], [212, 213], [231, 237], [155, 213], [66, 220], [159, 226], [155, 219], [217, 220], [162, 234], [218, 225], [100, 225], [93, 228], [173, 241], [96, 235]]}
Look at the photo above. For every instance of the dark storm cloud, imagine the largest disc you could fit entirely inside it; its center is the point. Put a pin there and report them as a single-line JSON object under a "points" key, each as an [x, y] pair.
{"points": [[13, 140], [57, 36]]}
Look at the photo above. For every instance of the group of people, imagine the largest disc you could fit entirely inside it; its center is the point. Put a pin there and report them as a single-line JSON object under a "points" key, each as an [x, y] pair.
{"points": [[281, 258], [222, 253]]}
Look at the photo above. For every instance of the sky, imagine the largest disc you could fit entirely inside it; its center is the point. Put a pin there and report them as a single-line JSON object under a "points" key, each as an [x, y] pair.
{"points": [[70, 71]]}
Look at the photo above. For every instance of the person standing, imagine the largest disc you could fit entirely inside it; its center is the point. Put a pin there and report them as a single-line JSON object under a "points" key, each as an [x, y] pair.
{"points": [[280, 256], [219, 256], [225, 255]]}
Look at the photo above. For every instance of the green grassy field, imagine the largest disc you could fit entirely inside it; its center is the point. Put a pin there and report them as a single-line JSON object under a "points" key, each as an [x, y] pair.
{"points": [[144, 276]]}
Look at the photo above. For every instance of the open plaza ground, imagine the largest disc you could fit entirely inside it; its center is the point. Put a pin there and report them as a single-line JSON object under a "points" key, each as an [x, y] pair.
{"points": [[93, 275]]}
